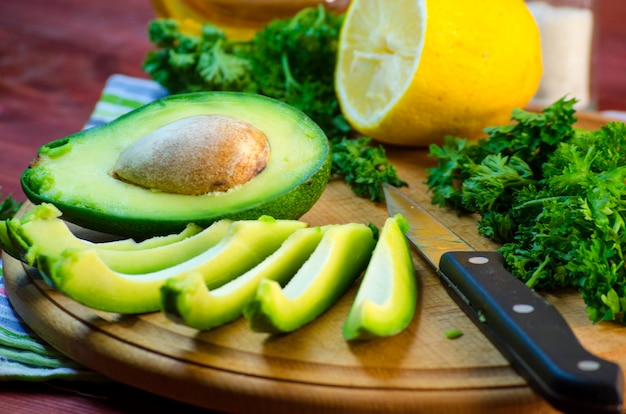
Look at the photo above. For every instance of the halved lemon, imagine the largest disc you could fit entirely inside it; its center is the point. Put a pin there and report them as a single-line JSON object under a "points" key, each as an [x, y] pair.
{"points": [[410, 72]]}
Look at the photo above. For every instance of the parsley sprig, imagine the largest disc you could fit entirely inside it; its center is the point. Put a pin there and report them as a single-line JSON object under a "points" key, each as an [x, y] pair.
{"points": [[8, 207], [364, 167], [553, 195]]}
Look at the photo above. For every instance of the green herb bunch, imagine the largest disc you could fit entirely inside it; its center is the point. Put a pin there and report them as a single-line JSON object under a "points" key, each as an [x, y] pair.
{"points": [[553, 195], [292, 60]]}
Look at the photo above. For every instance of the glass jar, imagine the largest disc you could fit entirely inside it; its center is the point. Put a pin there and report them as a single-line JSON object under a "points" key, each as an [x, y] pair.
{"points": [[567, 29]]}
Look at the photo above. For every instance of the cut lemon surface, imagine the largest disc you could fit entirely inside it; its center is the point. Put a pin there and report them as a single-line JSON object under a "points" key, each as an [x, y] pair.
{"points": [[410, 72]]}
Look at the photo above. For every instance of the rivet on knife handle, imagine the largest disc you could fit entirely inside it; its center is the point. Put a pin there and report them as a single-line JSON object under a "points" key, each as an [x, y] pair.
{"points": [[532, 334]]}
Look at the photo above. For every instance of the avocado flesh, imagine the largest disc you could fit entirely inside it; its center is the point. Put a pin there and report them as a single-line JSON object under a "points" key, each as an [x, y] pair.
{"points": [[337, 261], [74, 173], [386, 300], [40, 217], [189, 301], [41, 231], [84, 277]]}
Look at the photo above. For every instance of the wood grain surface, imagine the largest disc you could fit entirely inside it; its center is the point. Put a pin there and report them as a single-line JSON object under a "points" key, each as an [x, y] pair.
{"points": [[313, 369]]}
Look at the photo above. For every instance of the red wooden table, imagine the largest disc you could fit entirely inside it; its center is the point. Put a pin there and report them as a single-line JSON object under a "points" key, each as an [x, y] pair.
{"points": [[55, 56]]}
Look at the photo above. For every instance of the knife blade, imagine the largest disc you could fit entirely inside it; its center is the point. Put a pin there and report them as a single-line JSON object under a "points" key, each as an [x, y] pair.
{"points": [[530, 332]]}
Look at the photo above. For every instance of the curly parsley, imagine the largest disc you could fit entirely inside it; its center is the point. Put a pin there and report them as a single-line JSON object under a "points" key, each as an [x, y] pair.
{"points": [[8, 207], [553, 195], [363, 167]]}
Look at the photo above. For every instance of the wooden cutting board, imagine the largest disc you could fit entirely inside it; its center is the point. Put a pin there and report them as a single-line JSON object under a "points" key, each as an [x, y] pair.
{"points": [[314, 369]]}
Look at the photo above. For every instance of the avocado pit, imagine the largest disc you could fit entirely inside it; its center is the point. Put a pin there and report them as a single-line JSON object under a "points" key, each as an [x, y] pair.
{"points": [[195, 155]]}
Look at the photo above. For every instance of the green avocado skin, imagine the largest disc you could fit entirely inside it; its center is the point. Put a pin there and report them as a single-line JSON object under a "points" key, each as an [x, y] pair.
{"points": [[73, 173], [5, 242]]}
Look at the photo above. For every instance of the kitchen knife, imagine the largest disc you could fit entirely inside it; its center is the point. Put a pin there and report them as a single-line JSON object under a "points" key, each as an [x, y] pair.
{"points": [[527, 330]]}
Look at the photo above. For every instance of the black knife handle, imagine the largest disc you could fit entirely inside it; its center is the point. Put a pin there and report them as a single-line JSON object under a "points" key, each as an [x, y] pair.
{"points": [[532, 334]]}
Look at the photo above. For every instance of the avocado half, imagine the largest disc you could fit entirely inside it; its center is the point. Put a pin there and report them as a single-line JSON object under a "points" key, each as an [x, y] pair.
{"points": [[74, 173]]}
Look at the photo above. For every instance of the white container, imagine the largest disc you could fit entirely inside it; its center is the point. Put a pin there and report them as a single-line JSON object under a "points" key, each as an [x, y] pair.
{"points": [[567, 30]]}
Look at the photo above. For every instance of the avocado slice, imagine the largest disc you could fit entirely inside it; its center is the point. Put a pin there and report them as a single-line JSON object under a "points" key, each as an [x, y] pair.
{"points": [[386, 300], [41, 231], [189, 300], [44, 224], [5, 243], [337, 261], [83, 276], [75, 173]]}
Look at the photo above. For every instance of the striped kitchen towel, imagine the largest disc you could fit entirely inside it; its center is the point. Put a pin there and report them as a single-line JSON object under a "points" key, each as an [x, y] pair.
{"points": [[121, 94], [23, 354]]}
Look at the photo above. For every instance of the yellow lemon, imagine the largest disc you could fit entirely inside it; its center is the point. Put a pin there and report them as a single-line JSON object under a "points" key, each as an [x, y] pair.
{"points": [[410, 72]]}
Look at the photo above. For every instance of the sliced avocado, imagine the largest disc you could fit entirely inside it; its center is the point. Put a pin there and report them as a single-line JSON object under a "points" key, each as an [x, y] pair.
{"points": [[83, 276], [41, 231], [41, 213], [75, 173], [5, 243], [385, 302], [337, 261], [189, 300]]}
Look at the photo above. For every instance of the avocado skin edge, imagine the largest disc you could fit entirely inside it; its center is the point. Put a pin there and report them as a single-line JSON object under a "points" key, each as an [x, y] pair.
{"points": [[301, 198], [294, 202]]}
